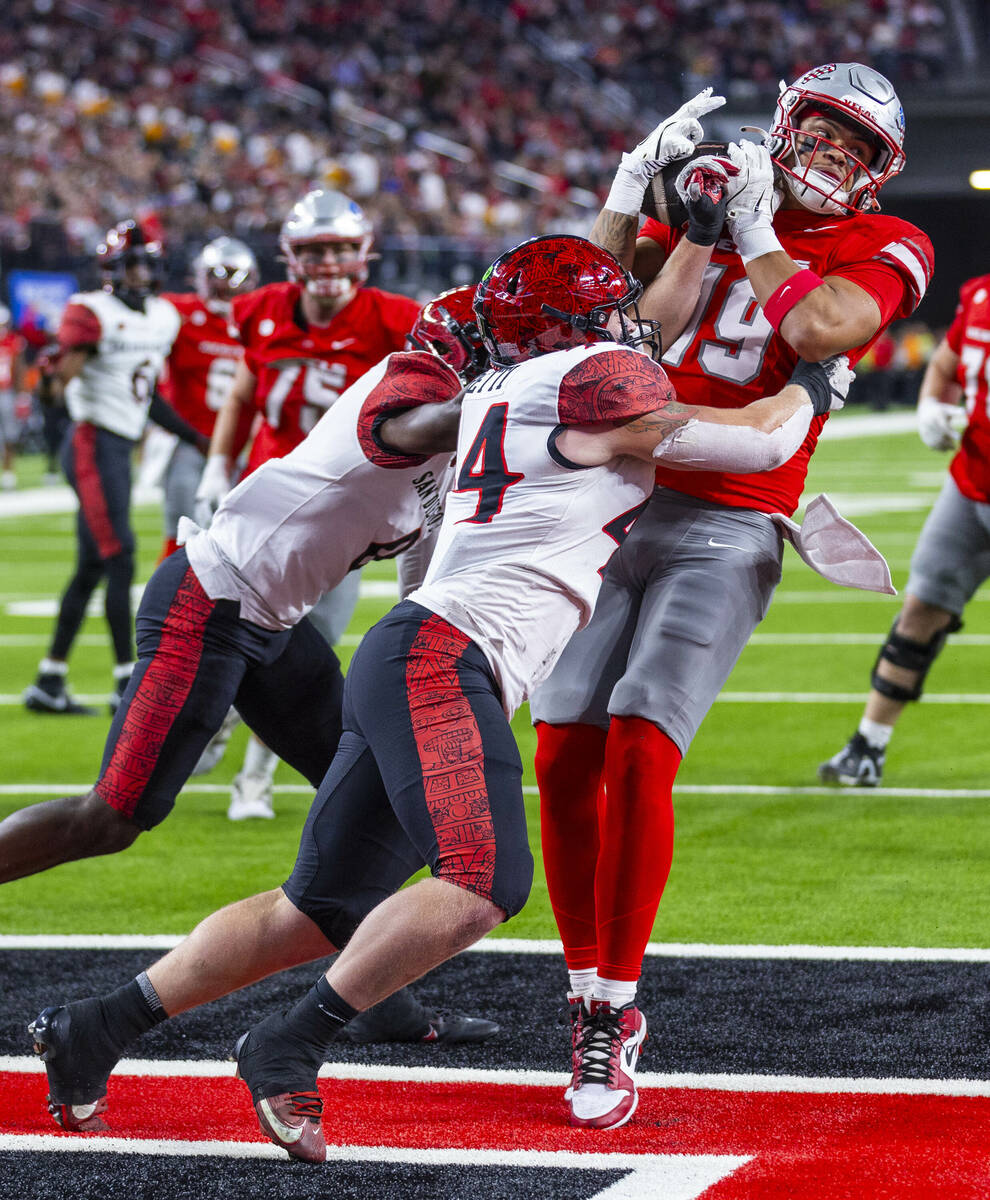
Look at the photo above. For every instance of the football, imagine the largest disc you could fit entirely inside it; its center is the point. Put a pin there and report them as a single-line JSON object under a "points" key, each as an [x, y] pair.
{"points": [[661, 200]]}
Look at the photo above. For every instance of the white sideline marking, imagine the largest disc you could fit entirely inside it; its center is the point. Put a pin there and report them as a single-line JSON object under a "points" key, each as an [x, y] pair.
{"points": [[30, 1064], [672, 1176], [506, 945]]}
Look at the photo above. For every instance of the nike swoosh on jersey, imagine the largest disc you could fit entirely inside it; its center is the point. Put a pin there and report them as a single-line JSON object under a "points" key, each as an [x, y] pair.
{"points": [[285, 1133], [724, 545], [342, 345]]}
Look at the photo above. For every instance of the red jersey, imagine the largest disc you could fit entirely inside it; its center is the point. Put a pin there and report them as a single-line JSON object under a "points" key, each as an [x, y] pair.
{"points": [[11, 347], [301, 369], [200, 367], [969, 337], [729, 354]]}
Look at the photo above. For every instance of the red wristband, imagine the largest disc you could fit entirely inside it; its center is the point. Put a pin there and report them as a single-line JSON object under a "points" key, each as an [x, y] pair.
{"points": [[788, 294]]}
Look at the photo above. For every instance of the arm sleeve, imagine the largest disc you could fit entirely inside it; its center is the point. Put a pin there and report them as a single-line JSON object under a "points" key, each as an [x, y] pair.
{"points": [[704, 446], [164, 414]]}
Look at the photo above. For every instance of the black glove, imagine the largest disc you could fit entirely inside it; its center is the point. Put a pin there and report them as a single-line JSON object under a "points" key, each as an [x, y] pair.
{"points": [[705, 202], [826, 382]]}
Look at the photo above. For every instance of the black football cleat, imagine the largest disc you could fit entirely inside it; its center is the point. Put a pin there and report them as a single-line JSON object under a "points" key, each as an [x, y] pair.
{"points": [[858, 764], [42, 697], [401, 1018], [72, 1043]]}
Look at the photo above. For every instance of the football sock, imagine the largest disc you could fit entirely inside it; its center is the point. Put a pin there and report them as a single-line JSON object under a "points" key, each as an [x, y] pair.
{"points": [[132, 1010], [319, 1016], [569, 762], [618, 992], [637, 842], [876, 734], [582, 981], [259, 760]]}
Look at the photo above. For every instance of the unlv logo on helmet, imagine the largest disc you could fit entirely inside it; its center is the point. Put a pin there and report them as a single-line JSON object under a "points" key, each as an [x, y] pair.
{"points": [[558, 291], [447, 327]]}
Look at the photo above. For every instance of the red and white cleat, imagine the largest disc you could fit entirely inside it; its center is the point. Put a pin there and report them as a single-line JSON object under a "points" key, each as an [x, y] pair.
{"points": [[603, 1094]]}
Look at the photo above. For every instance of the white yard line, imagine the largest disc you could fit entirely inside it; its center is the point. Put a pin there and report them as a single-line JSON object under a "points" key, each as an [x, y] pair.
{"points": [[808, 1084], [504, 945], [672, 1176]]}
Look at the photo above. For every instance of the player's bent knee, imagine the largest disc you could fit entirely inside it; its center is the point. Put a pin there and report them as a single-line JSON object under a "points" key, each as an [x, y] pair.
{"points": [[511, 887], [94, 828]]}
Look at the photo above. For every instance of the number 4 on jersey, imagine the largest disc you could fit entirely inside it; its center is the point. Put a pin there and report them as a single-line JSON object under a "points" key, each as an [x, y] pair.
{"points": [[485, 470]]}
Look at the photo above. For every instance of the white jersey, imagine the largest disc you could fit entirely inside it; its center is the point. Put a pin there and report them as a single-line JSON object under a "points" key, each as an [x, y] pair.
{"points": [[526, 534], [114, 388], [294, 528]]}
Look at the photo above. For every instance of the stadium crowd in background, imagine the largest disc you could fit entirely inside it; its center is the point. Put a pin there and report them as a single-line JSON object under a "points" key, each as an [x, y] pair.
{"points": [[466, 119]]}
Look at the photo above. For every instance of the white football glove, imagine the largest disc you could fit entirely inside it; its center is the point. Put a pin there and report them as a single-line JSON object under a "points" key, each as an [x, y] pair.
{"points": [[673, 138], [940, 425], [214, 484], [751, 200]]}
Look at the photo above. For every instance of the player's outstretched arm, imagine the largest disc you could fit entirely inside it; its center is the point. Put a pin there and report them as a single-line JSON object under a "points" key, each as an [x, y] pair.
{"points": [[758, 437], [674, 138], [429, 429]]}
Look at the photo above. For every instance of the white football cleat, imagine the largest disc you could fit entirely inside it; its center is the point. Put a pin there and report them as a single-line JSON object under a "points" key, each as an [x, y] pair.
{"points": [[250, 796]]}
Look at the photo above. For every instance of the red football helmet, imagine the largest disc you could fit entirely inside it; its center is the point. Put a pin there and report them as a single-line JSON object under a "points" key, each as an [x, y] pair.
{"points": [[856, 96], [126, 246], [557, 291], [447, 327]]}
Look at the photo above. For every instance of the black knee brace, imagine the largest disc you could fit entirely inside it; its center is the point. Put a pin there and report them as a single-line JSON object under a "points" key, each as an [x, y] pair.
{"points": [[912, 656]]}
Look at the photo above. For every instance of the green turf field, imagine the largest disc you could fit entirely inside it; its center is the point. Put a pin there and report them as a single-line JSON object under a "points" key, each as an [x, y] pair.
{"points": [[779, 866]]}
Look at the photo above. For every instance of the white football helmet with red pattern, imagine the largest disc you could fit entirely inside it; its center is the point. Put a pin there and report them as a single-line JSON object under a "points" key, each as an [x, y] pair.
{"points": [[857, 96], [325, 218]]}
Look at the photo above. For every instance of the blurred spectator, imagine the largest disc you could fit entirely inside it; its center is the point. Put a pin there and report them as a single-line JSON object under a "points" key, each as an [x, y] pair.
{"points": [[473, 119]]}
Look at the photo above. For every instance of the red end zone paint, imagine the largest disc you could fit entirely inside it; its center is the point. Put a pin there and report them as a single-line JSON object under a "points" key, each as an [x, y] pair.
{"points": [[805, 1147]]}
